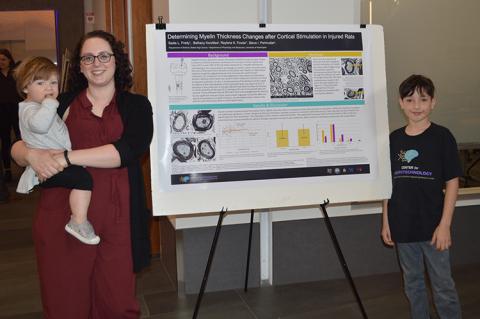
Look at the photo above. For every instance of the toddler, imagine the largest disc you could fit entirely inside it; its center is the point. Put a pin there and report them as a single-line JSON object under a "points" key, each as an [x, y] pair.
{"points": [[42, 128]]}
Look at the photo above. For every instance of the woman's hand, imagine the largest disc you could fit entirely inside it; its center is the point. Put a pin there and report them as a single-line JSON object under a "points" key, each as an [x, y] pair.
{"points": [[60, 158], [43, 162]]}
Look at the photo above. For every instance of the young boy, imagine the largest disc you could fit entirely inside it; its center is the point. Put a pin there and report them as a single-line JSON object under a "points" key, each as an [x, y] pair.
{"points": [[41, 127], [418, 216]]}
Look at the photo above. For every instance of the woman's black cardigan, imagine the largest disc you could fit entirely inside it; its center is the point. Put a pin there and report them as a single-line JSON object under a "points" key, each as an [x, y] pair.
{"points": [[136, 113]]}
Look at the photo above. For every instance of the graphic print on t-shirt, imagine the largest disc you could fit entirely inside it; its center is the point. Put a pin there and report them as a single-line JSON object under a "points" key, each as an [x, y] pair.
{"points": [[407, 156], [411, 170]]}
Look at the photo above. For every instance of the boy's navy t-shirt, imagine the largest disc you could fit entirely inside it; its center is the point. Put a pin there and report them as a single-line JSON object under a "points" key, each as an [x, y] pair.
{"points": [[421, 165]]}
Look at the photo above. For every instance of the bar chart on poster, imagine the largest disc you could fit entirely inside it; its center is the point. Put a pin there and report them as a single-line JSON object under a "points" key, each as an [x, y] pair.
{"points": [[250, 117]]}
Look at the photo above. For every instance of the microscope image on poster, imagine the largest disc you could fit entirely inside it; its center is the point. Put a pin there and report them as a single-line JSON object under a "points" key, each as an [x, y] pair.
{"points": [[203, 121], [352, 66], [183, 150], [206, 149], [193, 150], [192, 122], [178, 122], [353, 94], [193, 135], [291, 77]]}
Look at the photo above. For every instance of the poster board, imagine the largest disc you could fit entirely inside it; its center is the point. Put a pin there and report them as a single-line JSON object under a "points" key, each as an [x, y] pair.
{"points": [[250, 117]]}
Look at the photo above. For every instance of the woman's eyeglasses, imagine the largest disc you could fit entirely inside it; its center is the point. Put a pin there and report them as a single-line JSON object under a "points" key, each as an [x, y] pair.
{"points": [[103, 57]]}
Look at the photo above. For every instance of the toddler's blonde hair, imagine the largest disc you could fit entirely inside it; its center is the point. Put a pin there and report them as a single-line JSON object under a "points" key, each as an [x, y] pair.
{"points": [[32, 69]]}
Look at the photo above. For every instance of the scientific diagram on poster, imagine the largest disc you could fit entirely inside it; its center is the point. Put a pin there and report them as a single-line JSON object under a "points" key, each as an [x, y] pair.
{"points": [[248, 117]]}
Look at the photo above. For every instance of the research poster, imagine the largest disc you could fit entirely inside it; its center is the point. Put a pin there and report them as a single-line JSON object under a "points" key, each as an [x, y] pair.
{"points": [[248, 110]]}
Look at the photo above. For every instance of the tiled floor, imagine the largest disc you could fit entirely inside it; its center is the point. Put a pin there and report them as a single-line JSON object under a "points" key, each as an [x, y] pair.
{"points": [[381, 294]]}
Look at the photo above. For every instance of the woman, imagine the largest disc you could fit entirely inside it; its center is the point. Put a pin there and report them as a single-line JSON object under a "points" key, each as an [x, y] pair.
{"points": [[110, 129], [9, 109]]}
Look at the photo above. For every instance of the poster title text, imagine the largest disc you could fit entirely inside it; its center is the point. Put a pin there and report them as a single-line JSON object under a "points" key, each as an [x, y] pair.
{"points": [[260, 36]]}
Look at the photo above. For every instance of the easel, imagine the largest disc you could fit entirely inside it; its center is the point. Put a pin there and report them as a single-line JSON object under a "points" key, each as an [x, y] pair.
{"points": [[209, 261], [329, 226]]}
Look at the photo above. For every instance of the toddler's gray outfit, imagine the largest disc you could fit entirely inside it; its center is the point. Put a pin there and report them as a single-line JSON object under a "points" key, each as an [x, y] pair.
{"points": [[40, 127]]}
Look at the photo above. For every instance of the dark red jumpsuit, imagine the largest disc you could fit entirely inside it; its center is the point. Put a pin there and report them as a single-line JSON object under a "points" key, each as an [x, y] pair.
{"points": [[80, 281]]}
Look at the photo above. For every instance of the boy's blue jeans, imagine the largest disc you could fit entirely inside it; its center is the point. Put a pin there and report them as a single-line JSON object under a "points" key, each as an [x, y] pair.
{"points": [[413, 257]]}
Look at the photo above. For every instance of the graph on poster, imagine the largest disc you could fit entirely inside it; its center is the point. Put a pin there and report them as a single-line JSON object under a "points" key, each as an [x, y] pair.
{"points": [[248, 117], [325, 134]]}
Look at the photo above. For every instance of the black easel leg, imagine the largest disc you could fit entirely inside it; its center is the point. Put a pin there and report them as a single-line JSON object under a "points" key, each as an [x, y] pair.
{"points": [[341, 258], [249, 250], [209, 262]]}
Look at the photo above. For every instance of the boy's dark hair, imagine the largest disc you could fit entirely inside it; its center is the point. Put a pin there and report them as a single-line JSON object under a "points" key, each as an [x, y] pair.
{"points": [[418, 83]]}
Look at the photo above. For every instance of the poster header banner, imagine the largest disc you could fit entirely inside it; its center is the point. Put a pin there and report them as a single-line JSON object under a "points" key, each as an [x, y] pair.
{"points": [[263, 41]]}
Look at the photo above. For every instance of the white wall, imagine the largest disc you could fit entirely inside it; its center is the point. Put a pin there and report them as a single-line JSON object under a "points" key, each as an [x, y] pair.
{"points": [[213, 11], [441, 39], [277, 11], [316, 11]]}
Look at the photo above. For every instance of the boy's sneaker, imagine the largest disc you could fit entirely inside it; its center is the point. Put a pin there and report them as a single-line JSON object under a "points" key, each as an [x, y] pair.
{"points": [[83, 232]]}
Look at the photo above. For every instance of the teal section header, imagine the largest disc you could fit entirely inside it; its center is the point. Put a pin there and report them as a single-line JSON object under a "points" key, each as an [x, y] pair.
{"points": [[263, 105]]}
